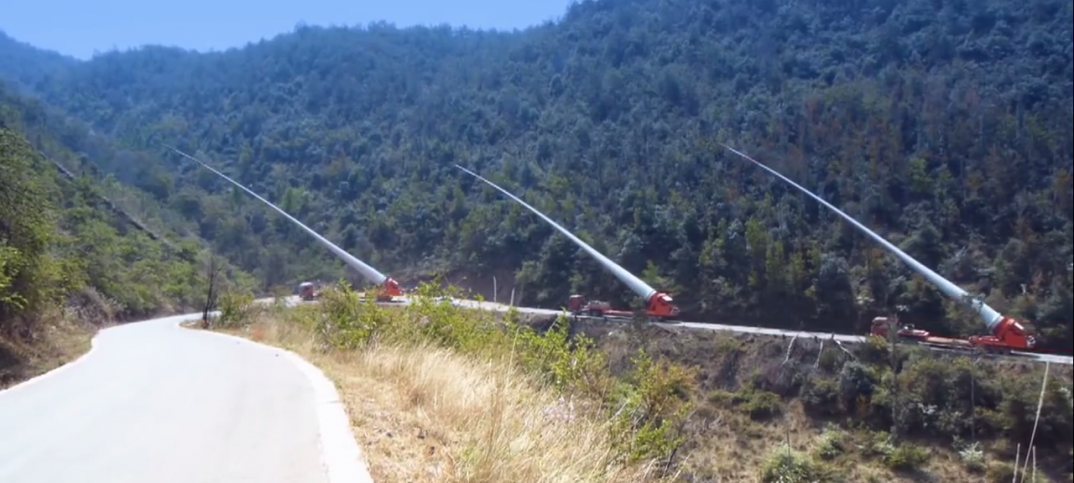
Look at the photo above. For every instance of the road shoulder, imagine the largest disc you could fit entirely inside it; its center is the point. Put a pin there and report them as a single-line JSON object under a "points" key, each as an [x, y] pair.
{"points": [[61, 346], [341, 456]]}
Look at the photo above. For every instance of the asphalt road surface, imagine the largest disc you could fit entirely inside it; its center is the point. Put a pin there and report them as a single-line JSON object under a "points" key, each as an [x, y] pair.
{"points": [[155, 403]]}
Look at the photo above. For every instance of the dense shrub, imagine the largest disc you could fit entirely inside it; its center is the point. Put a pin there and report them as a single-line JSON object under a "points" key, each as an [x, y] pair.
{"points": [[63, 242], [647, 406], [906, 458], [650, 406], [875, 350], [973, 458], [1017, 413], [821, 396], [787, 466], [347, 321], [829, 360], [759, 404], [831, 444], [935, 395], [857, 382], [236, 309]]}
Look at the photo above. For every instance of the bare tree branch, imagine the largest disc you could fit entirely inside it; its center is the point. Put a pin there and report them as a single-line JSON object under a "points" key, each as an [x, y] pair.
{"points": [[212, 291]]}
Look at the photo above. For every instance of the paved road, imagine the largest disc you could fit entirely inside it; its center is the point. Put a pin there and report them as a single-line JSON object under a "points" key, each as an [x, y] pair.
{"points": [[156, 403]]}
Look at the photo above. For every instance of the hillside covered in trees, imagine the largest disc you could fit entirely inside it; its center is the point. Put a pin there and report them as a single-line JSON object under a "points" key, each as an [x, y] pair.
{"points": [[70, 258], [947, 125]]}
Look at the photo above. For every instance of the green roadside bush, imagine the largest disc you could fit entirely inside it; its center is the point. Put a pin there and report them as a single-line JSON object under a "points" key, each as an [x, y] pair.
{"points": [[647, 407], [973, 458], [875, 350], [906, 458], [898, 457], [237, 309], [857, 385], [785, 465], [820, 396], [831, 444], [760, 405], [650, 407]]}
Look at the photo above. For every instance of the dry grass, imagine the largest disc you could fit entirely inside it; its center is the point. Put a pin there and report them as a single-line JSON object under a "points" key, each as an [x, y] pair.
{"points": [[725, 445], [429, 415], [58, 341], [425, 414], [731, 448]]}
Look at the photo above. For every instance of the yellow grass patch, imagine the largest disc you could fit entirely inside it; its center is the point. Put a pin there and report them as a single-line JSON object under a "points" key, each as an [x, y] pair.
{"points": [[424, 414]]}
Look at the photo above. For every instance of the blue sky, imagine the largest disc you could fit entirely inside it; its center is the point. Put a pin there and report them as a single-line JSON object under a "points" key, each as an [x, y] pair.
{"points": [[79, 27]]}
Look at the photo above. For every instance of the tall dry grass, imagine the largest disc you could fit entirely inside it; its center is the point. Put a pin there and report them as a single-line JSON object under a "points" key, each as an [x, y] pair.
{"points": [[425, 414], [60, 337]]}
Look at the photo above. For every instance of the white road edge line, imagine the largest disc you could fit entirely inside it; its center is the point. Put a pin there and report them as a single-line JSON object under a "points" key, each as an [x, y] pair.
{"points": [[59, 370], [340, 455]]}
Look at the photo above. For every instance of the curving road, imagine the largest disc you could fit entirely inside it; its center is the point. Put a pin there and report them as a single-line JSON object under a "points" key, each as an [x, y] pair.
{"points": [[155, 402], [152, 402]]}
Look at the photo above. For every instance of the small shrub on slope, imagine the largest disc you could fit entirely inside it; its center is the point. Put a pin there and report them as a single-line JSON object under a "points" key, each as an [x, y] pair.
{"points": [[906, 458], [972, 457], [760, 405], [567, 366], [348, 321], [652, 405], [857, 385], [875, 350], [787, 466], [821, 396], [236, 309], [831, 444]]}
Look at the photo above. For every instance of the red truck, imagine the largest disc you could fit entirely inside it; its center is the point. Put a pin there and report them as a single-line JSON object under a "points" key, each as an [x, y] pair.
{"points": [[882, 325]]}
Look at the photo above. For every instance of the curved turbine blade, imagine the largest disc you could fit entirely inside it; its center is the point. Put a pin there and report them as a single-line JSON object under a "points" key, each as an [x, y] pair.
{"points": [[367, 271], [991, 317], [636, 284]]}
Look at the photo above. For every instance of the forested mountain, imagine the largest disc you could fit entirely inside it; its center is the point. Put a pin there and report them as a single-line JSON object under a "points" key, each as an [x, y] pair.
{"points": [[945, 124], [71, 257]]}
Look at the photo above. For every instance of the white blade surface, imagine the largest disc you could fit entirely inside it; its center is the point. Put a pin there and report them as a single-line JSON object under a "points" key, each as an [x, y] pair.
{"points": [[636, 284], [990, 315], [367, 271]]}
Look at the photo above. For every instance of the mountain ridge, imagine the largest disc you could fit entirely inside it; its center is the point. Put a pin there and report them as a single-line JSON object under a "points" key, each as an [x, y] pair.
{"points": [[937, 122]]}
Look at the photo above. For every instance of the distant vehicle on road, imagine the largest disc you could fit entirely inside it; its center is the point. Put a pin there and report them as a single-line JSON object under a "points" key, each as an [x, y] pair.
{"points": [[309, 291]]}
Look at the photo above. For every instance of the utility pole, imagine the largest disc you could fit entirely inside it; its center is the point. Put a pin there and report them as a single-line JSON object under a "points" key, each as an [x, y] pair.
{"points": [[893, 332], [212, 288]]}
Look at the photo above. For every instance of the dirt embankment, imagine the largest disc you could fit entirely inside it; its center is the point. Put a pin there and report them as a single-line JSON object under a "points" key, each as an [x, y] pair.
{"points": [[56, 343]]}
